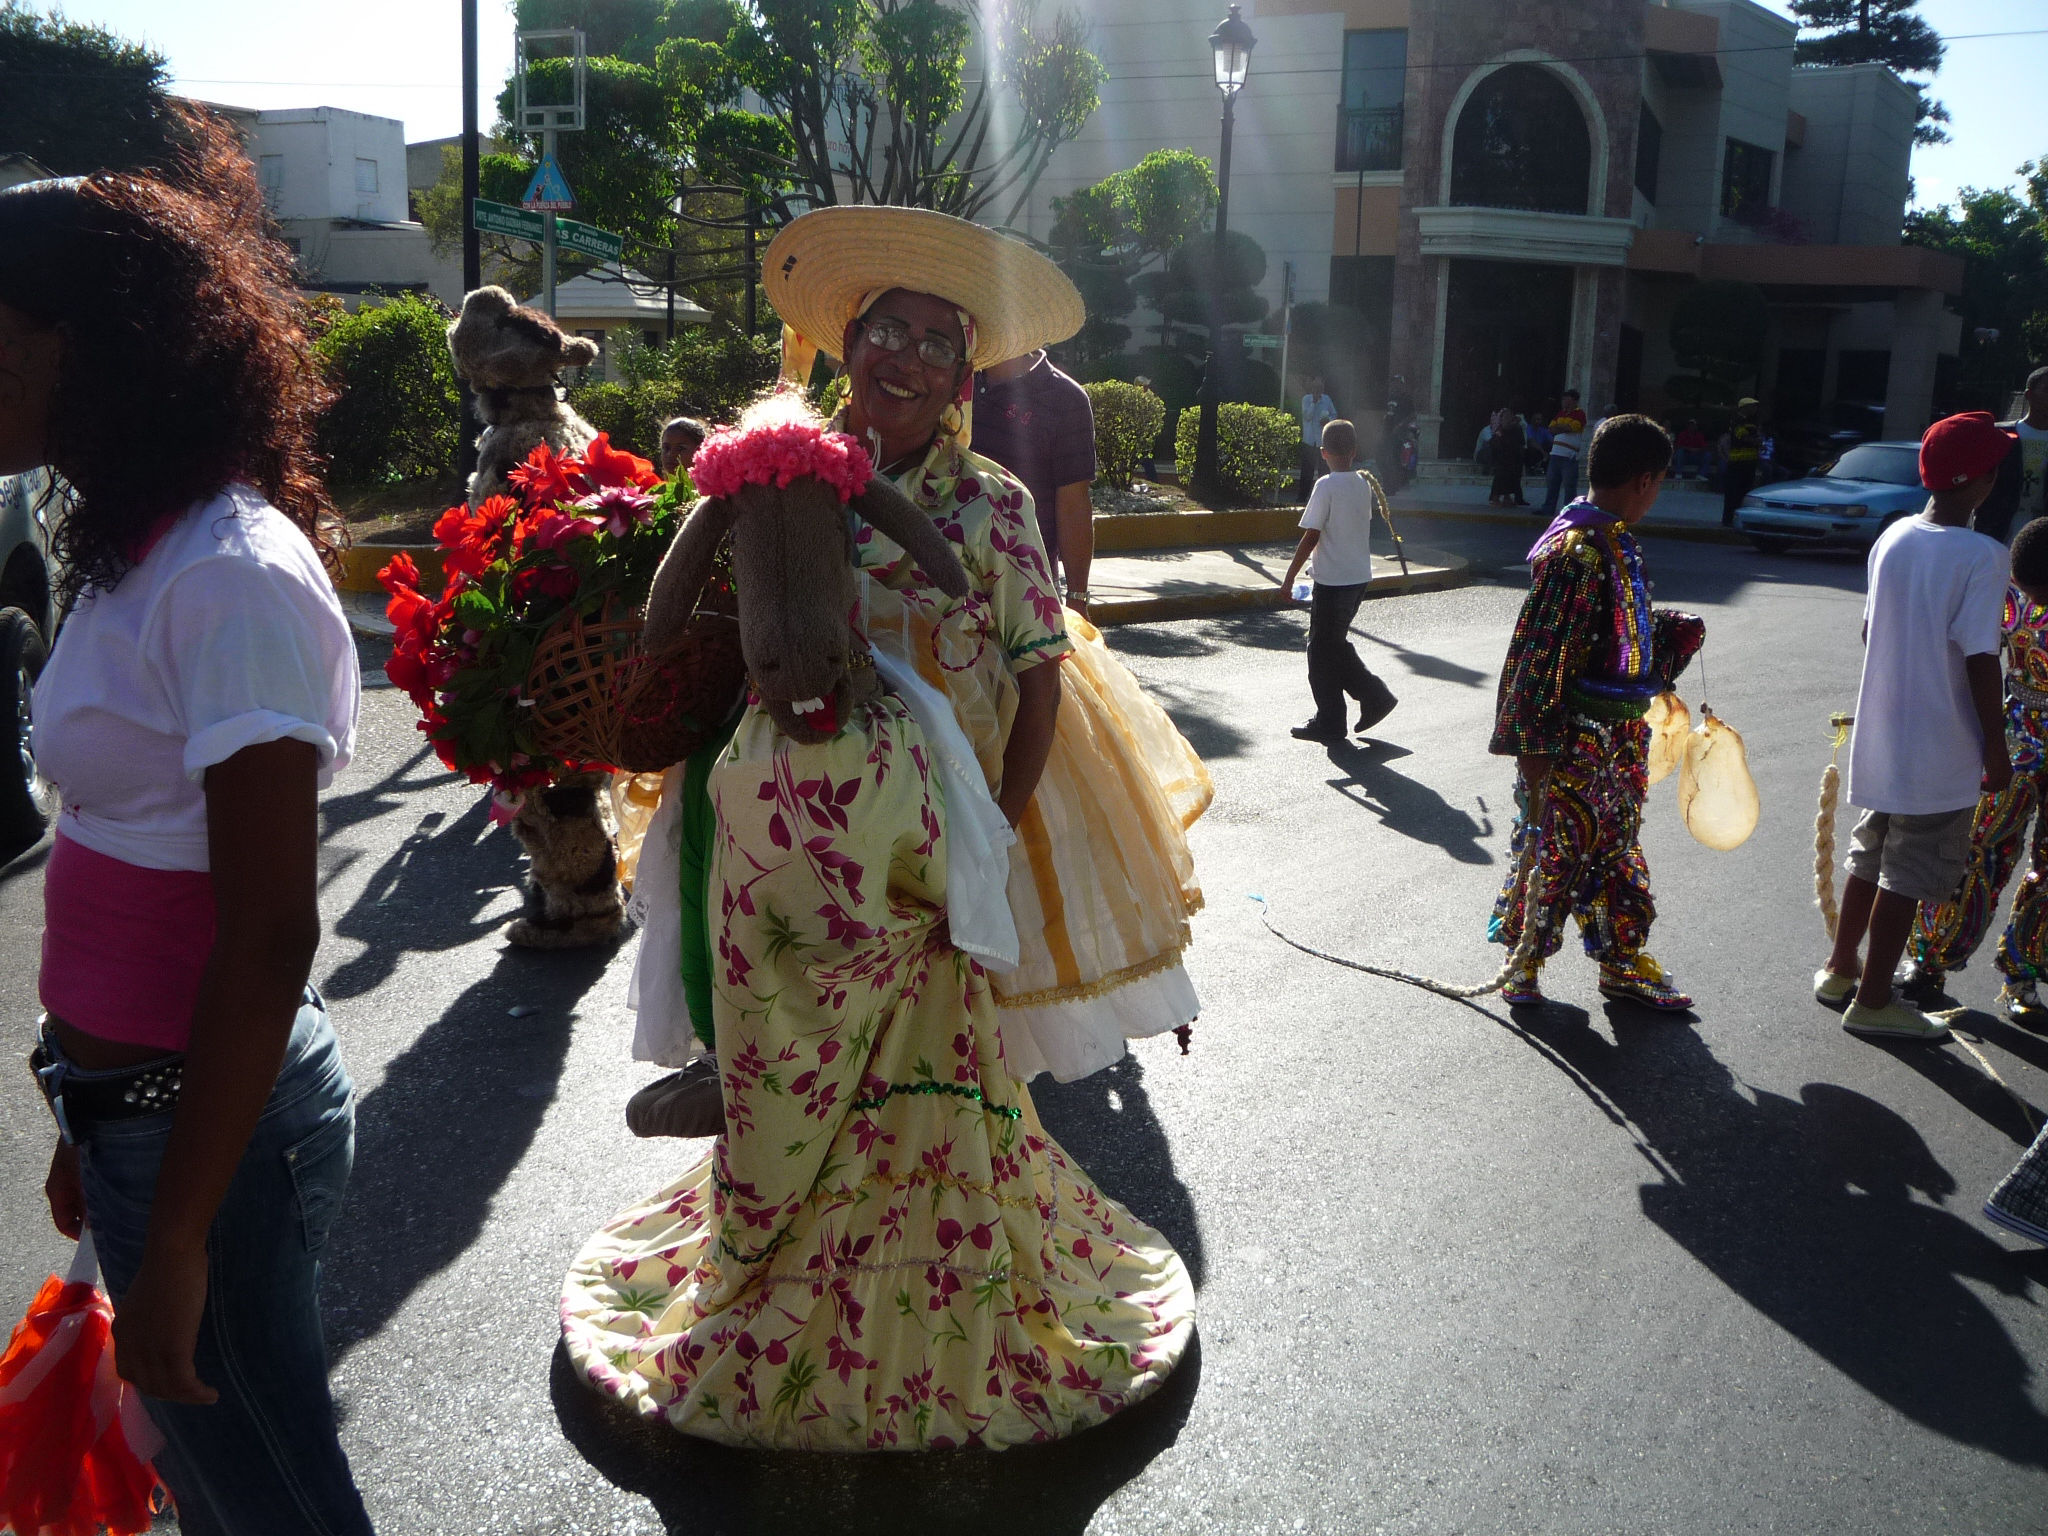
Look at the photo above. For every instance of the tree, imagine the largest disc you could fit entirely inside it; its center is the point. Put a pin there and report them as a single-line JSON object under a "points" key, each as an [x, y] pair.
{"points": [[1717, 331], [2003, 240], [1108, 236], [1883, 32], [80, 99]]}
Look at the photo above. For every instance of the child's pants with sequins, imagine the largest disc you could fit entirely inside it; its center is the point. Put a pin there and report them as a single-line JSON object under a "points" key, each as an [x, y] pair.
{"points": [[1946, 936], [1589, 860]]}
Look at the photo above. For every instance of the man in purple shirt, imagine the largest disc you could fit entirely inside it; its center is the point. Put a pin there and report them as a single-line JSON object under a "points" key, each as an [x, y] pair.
{"points": [[1037, 423]]}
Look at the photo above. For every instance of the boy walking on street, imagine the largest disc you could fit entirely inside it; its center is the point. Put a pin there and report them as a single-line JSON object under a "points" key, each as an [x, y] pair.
{"points": [[1930, 724], [1567, 433], [1587, 657], [1337, 538]]}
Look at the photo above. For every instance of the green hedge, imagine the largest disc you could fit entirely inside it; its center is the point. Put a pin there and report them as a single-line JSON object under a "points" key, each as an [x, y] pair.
{"points": [[396, 418], [1127, 422], [631, 414], [1255, 449]]}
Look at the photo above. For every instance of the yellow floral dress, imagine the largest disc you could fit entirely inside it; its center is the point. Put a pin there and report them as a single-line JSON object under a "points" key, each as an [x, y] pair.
{"points": [[885, 1250], [1101, 882]]}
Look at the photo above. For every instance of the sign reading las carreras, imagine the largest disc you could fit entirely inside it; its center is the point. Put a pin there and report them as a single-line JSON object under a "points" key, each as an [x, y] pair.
{"points": [[589, 240]]}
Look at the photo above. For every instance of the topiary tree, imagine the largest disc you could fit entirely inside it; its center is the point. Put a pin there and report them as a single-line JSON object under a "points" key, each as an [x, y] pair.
{"points": [[1127, 422], [1255, 449], [396, 415]]}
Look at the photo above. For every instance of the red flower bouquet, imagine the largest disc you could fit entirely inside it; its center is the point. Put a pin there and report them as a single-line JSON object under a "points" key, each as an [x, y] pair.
{"points": [[528, 665]]}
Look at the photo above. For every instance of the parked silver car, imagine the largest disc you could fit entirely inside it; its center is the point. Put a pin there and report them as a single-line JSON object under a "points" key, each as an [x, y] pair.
{"points": [[1845, 506], [28, 626]]}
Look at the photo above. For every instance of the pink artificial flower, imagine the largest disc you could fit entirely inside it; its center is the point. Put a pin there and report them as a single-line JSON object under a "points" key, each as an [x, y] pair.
{"points": [[778, 454]]}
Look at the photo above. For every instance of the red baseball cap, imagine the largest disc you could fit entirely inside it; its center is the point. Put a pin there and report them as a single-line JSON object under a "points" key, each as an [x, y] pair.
{"points": [[1958, 449]]}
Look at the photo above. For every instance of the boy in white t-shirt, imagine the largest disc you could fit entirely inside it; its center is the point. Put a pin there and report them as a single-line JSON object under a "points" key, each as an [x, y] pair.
{"points": [[1337, 538], [1930, 724]]}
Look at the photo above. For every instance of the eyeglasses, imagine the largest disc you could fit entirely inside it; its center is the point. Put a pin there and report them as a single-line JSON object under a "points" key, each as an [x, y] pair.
{"points": [[893, 336]]}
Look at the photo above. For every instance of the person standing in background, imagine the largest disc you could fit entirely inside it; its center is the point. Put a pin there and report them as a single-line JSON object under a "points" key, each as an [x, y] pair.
{"points": [[1038, 424], [1567, 431], [1317, 410], [1742, 447], [1507, 446], [1691, 457], [2021, 494]]}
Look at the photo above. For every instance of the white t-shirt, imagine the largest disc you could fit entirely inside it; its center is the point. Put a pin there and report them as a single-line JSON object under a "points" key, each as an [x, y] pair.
{"points": [[1340, 508], [227, 635], [2033, 452], [1936, 595], [1316, 410]]}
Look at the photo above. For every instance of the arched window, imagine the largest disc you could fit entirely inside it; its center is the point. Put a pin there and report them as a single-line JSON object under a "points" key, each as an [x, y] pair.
{"points": [[1522, 142]]}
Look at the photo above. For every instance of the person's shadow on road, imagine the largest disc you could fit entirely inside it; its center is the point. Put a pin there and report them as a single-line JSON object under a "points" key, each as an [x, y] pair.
{"points": [[1406, 805], [1804, 1208]]}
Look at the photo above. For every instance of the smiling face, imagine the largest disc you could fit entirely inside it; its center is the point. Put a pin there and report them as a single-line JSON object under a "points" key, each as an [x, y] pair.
{"points": [[29, 356], [898, 394]]}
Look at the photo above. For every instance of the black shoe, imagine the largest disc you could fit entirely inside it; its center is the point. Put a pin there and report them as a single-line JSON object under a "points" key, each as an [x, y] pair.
{"points": [[1375, 708], [688, 1103], [1316, 730]]}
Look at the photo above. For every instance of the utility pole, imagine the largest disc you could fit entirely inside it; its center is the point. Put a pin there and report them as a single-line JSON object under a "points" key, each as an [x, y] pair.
{"points": [[472, 242], [547, 232], [753, 266]]}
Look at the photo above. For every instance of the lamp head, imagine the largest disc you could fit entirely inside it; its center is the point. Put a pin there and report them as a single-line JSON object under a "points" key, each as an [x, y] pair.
{"points": [[1232, 42]]}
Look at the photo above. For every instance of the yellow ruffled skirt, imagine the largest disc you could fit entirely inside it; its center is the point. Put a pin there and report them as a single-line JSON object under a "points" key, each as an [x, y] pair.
{"points": [[1101, 881]]}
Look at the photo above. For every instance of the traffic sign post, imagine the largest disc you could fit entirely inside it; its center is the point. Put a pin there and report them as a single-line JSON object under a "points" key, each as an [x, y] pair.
{"points": [[548, 193]]}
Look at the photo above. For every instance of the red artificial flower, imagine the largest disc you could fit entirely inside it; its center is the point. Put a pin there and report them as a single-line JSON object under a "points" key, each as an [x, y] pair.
{"points": [[407, 670], [553, 530], [401, 572], [548, 580], [545, 478], [605, 466]]}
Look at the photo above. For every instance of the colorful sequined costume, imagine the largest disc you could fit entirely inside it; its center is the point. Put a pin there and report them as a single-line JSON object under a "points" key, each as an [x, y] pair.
{"points": [[1587, 657], [1946, 936]]}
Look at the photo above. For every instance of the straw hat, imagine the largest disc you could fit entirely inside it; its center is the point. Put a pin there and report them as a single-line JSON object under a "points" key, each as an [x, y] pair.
{"points": [[820, 267]]}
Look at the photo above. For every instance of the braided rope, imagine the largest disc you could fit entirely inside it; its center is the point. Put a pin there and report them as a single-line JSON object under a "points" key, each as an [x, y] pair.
{"points": [[1824, 828]]}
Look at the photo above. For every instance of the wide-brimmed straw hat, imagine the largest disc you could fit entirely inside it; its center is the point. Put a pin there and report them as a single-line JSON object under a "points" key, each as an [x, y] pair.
{"points": [[820, 267]]}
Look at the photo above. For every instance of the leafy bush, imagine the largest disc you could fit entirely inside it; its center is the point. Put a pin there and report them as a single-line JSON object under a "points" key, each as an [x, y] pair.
{"points": [[631, 413], [1127, 422], [1255, 449], [396, 418]]}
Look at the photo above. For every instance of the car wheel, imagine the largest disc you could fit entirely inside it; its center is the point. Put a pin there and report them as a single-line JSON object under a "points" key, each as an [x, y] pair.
{"points": [[1769, 544], [26, 797]]}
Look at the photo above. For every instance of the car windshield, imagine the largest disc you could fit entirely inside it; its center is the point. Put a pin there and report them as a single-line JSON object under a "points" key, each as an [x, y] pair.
{"points": [[1893, 466]]}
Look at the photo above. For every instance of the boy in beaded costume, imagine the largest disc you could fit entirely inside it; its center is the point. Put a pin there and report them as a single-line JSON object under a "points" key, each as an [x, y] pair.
{"points": [[1587, 657], [1945, 936]]}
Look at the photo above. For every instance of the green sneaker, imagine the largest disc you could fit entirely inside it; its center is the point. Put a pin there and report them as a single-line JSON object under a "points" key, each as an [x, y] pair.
{"points": [[1896, 1020], [1832, 991]]}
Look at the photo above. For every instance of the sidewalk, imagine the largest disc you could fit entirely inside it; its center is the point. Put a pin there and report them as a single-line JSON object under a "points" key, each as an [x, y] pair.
{"points": [[1686, 510]]}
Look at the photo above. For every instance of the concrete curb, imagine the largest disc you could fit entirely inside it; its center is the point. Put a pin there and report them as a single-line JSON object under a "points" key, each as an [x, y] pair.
{"points": [[1696, 533], [1449, 571]]}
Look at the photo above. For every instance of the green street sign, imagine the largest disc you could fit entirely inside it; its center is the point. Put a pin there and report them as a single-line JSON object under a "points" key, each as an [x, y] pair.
{"points": [[498, 219], [589, 240]]}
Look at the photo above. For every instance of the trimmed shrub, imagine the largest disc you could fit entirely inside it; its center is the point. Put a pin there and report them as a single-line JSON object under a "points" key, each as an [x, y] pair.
{"points": [[1127, 422], [396, 418], [631, 414], [1255, 448]]}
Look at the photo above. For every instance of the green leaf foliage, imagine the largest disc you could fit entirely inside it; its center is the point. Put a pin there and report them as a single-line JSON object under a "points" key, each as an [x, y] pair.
{"points": [[396, 415], [1127, 422], [1890, 32], [708, 371], [78, 98], [1718, 330], [1255, 448], [2003, 240]]}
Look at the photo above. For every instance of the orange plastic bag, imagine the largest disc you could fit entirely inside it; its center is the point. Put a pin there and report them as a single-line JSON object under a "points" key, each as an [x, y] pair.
{"points": [[75, 1443]]}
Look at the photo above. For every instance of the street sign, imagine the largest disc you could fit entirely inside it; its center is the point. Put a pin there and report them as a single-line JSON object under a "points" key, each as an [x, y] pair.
{"points": [[589, 240], [548, 192], [499, 219]]}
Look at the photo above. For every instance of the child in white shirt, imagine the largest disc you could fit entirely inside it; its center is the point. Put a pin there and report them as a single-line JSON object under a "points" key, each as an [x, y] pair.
{"points": [[1336, 543]]}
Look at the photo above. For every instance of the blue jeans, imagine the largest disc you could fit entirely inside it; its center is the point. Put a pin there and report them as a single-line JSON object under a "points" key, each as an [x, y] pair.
{"points": [[1561, 485], [265, 1459]]}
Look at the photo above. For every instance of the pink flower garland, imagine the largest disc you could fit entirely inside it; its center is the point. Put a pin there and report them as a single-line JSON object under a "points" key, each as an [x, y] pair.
{"points": [[777, 454]]}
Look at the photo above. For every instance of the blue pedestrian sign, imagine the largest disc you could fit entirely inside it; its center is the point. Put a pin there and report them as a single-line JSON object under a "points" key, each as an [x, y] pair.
{"points": [[548, 192]]}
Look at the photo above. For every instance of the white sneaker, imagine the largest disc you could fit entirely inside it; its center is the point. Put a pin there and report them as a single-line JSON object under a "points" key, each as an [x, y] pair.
{"points": [[1896, 1020], [1832, 991]]}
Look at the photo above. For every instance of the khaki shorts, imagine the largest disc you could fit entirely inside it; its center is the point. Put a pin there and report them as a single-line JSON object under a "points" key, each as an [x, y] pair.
{"points": [[1922, 857]]}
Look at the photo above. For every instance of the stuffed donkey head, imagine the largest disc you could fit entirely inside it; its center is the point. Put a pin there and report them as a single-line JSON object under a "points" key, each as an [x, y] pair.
{"points": [[793, 574]]}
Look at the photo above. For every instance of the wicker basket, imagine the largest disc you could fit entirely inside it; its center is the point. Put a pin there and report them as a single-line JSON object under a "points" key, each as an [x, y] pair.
{"points": [[599, 699]]}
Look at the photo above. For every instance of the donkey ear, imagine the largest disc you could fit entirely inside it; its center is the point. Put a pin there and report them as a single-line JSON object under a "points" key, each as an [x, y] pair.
{"points": [[684, 570], [893, 513]]}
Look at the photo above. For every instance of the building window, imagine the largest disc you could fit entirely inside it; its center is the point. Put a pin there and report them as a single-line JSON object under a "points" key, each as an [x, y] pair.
{"points": [[271, 168], [1522, 142], [1375, 81], [1745, 180], [1649, 152], [366, 178]]}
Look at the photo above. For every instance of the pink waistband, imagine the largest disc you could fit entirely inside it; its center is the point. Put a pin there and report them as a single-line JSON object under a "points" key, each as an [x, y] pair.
{"points": [[123, 946]]}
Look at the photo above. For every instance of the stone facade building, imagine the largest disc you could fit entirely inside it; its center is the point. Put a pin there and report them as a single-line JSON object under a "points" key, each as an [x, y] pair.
{"points": [[1516, 196]]}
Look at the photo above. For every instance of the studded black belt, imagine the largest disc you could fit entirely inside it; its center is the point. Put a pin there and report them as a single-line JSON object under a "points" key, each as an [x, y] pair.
{"points": [[80, 1099]]}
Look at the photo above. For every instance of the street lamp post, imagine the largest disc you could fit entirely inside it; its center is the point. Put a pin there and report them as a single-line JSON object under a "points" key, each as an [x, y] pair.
{"points": [[1232, 43]]}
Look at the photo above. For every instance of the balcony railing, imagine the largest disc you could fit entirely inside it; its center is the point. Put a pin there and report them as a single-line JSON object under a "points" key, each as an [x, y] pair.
{"points": [[1368, 138]]}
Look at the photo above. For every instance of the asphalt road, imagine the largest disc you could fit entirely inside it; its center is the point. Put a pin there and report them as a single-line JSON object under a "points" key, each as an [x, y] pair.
{"points": [[1589, 1271]]}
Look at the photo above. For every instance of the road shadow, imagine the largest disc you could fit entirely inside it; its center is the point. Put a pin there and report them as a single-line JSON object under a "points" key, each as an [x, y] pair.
{"points": [[699, 1488], [1806, 1209], [1423, 664], [439, 1136], [1405, 805], [1106, 1124]]}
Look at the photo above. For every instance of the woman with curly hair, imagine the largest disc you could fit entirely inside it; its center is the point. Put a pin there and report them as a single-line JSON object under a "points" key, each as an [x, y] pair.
{"points": [[202, 692]]}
